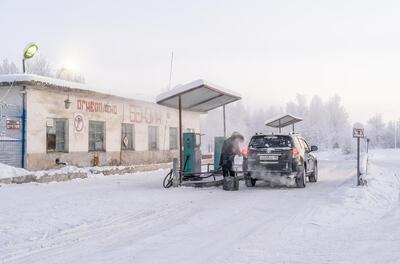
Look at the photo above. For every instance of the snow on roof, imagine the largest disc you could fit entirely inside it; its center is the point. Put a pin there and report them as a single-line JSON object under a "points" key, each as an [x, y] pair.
{"points": [[282, 121], [199, 95], [33, 79]]}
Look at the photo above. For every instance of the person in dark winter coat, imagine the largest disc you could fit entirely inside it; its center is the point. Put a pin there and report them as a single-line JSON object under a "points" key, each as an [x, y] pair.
{"points": [[230, 149]]}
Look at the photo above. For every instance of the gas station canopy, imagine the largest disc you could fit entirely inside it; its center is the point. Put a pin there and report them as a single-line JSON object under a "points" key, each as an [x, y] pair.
{"points": [[198, 96], [283, 121]]}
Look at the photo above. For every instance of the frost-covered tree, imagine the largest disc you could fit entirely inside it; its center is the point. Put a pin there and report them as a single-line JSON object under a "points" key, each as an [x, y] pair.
{"points": [[324, 123], [299, 106], [300, 109], [237, 118], [257, 119], [318, 123], [389, 135], [7, 67], [39, 66], [68, 75], [338, 124], [376, 130]]}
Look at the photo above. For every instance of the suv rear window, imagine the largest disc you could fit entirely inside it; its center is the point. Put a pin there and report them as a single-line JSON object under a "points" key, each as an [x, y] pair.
{"points": [[271, 141]]}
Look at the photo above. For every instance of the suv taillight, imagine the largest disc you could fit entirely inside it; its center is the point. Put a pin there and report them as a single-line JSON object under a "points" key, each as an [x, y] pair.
{"points": [[295, 152], [245, 152]]}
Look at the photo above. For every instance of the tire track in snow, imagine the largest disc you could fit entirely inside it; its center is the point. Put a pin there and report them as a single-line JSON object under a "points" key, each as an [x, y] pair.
{"points": [[256, 218], [61, 242]]}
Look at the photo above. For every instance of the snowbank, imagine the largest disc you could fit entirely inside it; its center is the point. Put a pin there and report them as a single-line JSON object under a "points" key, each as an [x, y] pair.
{"points": [[11, 174], [62, 170], [333, 155], [7, 171], [362, 204]]}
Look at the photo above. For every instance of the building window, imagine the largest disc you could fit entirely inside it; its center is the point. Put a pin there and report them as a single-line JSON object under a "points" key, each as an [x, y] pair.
{"points": [[57, 135], [173, 138], [96, 136], [127, 137], [153, 138]]}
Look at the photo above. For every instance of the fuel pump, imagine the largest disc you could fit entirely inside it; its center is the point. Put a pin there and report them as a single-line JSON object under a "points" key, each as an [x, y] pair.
{"points": [[218, 143], [191, 153]]}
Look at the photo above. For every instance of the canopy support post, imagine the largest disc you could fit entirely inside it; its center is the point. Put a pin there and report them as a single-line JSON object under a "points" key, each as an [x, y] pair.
{"points": [[280, 129], [224, 119], [180, 141]]}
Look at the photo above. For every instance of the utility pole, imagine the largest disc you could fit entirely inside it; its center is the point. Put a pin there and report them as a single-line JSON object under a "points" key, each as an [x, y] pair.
{"points": [[170, 71], [180, 140], [224, 119], [366, 165], [395, 134]]}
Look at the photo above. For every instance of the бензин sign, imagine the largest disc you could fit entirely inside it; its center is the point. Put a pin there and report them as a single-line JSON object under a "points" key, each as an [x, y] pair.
{"points": [[139, 114], [358, 132]]}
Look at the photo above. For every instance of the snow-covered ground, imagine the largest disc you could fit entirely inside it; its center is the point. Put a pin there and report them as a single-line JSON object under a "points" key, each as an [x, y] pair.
{"points": [[132, 219]]}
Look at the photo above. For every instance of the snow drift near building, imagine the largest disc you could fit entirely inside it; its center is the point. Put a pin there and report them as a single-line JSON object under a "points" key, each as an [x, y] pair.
{"points": [[9, 171]]}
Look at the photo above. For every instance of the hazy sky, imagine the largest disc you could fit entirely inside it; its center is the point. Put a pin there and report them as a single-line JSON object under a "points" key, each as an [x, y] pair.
{"points": [[267, 50]]}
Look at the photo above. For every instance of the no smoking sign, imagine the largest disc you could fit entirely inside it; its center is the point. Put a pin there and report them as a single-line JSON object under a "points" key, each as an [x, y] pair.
{"points": [[78, 123], [358, 132]]}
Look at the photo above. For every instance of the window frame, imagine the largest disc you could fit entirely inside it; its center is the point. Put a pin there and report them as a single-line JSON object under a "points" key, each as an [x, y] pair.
{"points": [[66, 133], [176, 138], [131, 139], [305, 145], [156, 137], [103, 149]]}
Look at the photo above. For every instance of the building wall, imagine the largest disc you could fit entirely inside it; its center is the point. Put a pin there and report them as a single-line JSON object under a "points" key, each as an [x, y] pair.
{"points": [[44, 104]]}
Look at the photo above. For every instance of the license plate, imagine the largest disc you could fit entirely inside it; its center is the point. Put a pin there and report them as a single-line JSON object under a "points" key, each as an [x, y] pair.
{"points": [[269, 158]]}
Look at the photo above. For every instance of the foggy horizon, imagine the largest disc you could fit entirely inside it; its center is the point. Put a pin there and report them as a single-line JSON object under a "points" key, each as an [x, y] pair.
{"points": [[267, 51]]}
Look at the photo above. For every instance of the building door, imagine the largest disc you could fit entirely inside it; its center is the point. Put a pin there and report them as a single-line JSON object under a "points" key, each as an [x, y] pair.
{"points": [[11, 129]]}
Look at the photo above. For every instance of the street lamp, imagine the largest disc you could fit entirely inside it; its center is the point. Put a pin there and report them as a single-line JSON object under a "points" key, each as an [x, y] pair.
{"points": [[29, 51]]}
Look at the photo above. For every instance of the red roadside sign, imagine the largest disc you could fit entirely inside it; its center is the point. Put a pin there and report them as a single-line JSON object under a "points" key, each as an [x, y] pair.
{"points": [[358, 132]]}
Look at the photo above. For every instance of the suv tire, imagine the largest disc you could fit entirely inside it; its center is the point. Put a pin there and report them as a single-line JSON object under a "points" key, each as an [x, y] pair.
{"points": [[314, 176], [301, 178]]}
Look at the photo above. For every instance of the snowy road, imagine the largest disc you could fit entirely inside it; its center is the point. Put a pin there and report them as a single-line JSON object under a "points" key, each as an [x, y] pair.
{"points": [[131, 219]]}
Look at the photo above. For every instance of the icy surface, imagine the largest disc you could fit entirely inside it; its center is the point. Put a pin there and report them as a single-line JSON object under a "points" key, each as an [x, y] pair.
{"points": [[131, 219]]}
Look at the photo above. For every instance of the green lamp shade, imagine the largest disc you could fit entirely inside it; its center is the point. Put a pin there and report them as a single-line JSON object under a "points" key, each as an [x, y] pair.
{"points": [[30, 50]]}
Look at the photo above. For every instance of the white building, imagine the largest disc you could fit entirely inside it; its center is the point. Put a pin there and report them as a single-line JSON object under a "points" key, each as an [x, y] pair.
{"points": [[43, 120]]}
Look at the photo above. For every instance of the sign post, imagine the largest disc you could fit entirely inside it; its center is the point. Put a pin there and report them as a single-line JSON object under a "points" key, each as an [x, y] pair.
{"points": [[358, 133]]}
